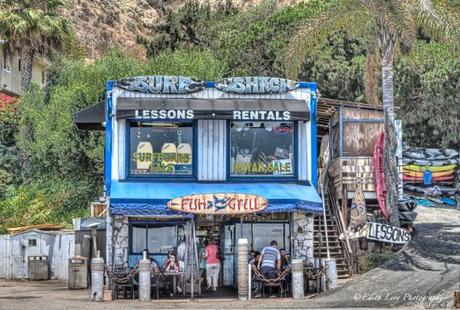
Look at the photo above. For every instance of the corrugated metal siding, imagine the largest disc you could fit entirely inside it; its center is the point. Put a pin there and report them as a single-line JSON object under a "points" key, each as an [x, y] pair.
{"points": [[302, 151], [212, 150], [5, 265], [14, 252]]}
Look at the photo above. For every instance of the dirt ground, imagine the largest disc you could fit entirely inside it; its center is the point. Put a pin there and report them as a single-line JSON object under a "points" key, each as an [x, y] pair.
{"points": [[424, 275]]}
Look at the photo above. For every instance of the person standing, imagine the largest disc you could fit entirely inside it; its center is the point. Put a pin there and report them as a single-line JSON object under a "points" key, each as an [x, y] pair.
{"points": [[212, 265], [270, 262]]}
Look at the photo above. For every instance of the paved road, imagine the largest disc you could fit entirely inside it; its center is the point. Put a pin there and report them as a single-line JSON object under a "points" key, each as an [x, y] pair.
{"points": [[422, 276]]}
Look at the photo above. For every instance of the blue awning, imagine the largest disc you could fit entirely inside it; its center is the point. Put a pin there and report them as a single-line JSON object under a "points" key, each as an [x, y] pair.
{"points": [[150, 198]]}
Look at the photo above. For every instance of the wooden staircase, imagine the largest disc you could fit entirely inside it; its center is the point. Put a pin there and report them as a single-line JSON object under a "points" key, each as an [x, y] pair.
{"points": [[335, 245]]}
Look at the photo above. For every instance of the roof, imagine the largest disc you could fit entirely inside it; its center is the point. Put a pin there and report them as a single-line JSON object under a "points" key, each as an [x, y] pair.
{"points": [[282, 197], [42, 227], [326, 108], [39, 231], [91, 118]]}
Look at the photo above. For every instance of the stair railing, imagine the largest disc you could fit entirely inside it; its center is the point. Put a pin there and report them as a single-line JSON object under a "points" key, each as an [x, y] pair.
{"points": [[338, 218]]}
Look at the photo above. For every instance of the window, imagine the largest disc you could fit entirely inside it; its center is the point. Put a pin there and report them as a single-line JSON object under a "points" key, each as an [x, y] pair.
{"points": [[160, 149], [43, 77], [6, 60], [262, 149], [157, 239], [19, 64], [32, 242]]}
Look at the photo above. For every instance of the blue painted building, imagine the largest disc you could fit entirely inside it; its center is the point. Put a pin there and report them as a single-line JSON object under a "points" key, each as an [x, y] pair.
{"points": [[189, 160]]}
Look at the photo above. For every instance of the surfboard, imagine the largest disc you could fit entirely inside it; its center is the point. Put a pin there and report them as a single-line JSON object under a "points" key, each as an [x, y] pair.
{"points": [[379, 175], [358, 214], [145, 149]]}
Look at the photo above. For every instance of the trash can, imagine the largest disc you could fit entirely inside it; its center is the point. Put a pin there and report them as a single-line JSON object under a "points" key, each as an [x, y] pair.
{"points": [[78, 272], [37, 268]]}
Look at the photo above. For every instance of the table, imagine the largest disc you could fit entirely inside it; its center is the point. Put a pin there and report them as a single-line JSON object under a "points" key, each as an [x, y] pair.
{"points": [[158, 276]]}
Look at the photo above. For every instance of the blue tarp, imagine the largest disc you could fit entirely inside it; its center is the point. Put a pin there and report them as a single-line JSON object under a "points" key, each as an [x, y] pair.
{"points": [[150, 198]]}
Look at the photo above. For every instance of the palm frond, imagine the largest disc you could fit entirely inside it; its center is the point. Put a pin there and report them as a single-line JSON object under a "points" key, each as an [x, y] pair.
{"points": [[441, 22], [350, 16]]}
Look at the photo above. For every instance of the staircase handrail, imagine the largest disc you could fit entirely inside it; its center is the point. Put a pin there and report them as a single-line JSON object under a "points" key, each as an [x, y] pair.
{"points": [[338, 218]]}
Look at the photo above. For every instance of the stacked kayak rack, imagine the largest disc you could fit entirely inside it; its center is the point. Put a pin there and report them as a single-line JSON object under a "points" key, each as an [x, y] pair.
{"points": [[431, 172]]}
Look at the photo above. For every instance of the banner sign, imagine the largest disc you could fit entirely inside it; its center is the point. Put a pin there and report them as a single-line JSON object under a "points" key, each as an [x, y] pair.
{"points": [[380, 232], [221, 203], [187, 114], [162, 84], [256, 85]]}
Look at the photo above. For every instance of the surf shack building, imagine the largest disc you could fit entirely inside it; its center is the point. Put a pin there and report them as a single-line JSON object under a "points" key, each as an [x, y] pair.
{"points": [[192, 160]]}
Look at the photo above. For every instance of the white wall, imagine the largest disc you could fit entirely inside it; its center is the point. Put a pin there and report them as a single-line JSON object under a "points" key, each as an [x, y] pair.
{"points": [[15, 249]]}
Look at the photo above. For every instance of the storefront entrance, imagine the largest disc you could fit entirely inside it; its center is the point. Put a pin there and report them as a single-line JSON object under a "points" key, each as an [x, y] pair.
{"points": [[227, 231]]}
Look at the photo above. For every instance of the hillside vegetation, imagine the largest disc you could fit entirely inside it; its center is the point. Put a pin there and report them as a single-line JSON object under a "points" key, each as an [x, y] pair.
{"points": [[50, 171]]}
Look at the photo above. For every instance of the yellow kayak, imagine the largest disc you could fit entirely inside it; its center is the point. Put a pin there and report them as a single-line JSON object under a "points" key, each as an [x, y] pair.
{"points": [[430, 168], [434, 174]]}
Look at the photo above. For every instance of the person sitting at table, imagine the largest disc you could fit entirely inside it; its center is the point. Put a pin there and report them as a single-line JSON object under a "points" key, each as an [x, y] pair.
{"points": [[285, 259], [173, 265], [255, 259]]}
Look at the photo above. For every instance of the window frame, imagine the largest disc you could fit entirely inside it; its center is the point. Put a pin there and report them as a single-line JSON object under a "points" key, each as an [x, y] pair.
{"points": [[169, 177], [6, 60], [147, 225], [263, 178]]}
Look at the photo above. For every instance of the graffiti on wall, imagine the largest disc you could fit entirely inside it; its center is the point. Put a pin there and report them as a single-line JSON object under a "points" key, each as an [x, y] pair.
{"points": [[256, 85], [162, 84], [120, 231], [302, 236]]}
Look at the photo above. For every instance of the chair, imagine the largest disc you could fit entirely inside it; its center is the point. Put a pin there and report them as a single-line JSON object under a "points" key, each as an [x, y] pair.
{"points": [[124, 287], [278, 282]]}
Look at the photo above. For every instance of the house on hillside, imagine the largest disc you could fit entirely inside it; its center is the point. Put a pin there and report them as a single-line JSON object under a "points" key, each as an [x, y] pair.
{"points": [[10, 72]]}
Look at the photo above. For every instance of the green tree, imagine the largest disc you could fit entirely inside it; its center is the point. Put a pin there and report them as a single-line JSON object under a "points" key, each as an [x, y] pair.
{"points": [[9, 160], [32, 26], [390, 27], [427, 92]]}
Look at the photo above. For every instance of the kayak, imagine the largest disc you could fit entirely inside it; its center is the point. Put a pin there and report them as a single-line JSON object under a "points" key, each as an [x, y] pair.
{"points": [[419, 174], [406, 205], [430, 162], [431, 154], [434, 179], [433, 190], [379, 175], [430, 168]]}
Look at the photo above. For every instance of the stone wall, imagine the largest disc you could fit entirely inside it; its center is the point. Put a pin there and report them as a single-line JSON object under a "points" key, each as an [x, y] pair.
{"points": [[302, 236], [117, 241]]}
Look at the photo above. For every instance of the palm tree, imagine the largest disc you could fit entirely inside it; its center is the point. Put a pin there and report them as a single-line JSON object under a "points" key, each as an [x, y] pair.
{"points": [[390, 27], [32, 26]]}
